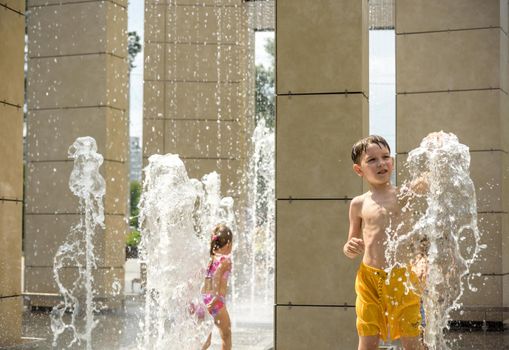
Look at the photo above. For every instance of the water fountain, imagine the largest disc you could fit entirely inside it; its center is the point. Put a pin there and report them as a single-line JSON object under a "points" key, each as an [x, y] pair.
{"points": [[261, 214], [446, 235], [255, 285], [78, 251], [177, 214]]}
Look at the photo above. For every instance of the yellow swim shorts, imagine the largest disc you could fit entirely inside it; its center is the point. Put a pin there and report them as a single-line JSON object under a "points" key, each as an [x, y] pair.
{"points": [[386, 308]]}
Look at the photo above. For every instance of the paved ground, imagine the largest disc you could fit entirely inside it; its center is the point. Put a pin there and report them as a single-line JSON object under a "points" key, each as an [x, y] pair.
{"points": [[252, 328], [118, 331]]}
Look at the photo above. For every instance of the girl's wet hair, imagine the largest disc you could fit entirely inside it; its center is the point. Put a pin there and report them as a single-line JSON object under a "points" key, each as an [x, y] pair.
{"points": [[360, 146], [221, 236]]}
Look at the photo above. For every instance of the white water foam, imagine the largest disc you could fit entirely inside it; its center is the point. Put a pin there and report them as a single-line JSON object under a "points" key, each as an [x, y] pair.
{"points": [[439, 228], [176, 218], [78, 250]]}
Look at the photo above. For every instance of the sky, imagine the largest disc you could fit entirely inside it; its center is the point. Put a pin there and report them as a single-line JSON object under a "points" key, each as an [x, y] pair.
{"points": [[261, 56], [382, 75], [382, 85], [135, 23]]}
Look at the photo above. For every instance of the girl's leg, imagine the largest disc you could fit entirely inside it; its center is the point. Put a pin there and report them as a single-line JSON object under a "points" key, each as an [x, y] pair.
{"points": [[369, 342], [207, 342], [222, 321]]}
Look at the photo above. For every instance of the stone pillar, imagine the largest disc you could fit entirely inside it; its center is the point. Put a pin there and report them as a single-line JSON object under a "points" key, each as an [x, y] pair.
{"points": [[322, 109], [12, 31], [260, 17], [381, 14], [77, 86], [452, 75], [194, 91]]}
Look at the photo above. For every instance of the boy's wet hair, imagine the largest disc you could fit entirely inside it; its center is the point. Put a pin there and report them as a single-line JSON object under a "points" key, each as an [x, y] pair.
{"points": [[221, 236], [360, 146]]}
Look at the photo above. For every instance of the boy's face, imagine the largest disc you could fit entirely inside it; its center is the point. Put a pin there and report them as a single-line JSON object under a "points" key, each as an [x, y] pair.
{"points": [[376, 165]]}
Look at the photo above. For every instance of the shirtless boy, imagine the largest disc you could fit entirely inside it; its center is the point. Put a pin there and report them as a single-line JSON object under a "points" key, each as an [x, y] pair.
{"points": [[382, 309]]}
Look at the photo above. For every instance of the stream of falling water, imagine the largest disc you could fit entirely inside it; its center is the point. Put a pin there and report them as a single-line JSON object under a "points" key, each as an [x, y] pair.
{"points": [[261, 217], [78, 251], [444, 233]]}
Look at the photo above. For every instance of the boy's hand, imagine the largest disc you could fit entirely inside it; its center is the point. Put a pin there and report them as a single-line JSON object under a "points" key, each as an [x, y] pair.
{"points": [[353, 247], [421, 184]]}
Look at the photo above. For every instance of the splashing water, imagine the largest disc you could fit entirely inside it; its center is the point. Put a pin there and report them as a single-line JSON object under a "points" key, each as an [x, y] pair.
{"points": [[176, 214], [78, 251], [210, 208], [261, 215], [445, 236], [256, 249]]}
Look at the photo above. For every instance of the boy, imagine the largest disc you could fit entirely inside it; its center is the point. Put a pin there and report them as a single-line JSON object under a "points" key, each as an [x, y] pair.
{"points": [[382, 309]]}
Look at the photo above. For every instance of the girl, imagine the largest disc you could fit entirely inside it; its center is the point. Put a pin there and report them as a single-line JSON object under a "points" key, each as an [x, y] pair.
{"points": [[216, 283]]}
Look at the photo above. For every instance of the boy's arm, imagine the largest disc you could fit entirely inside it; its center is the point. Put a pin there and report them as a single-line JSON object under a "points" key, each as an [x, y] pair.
{"points": [[420, 185], [354, 245]]}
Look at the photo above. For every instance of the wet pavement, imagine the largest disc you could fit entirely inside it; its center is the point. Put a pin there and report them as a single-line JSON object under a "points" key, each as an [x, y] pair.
{"points": [[476, 340], [252, 327], [118, 330]]}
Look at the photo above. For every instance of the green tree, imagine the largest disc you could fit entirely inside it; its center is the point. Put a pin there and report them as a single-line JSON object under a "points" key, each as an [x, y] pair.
{"points": [[135, 199], [270, 48], [264, 88], [133, 47]]}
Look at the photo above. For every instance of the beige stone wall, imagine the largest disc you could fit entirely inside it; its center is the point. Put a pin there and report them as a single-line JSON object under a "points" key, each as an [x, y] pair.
{"points": [[194, 92], [381, 14], [77, 86], [452, 75], [322, 109], [261, 15], [12, 29]]}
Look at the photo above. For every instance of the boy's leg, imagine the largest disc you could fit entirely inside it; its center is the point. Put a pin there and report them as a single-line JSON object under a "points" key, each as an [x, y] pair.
{"points": [[412, 343], [370, 318], [406, 318], [369, 342]]}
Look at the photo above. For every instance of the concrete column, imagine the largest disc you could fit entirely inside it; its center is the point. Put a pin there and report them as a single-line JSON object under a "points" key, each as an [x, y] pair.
{"points": [[260, 17], [194, 96], [452, 75], [12, 30], [322, 109], [77, 86], [381, 14]]}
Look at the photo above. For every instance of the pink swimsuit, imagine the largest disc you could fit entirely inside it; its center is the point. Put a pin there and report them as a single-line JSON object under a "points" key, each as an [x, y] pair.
{"points": [[216, 302]]}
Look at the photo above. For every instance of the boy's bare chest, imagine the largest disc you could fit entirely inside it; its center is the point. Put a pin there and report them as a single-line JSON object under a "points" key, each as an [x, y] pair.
{"points": [[379, 212]]}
